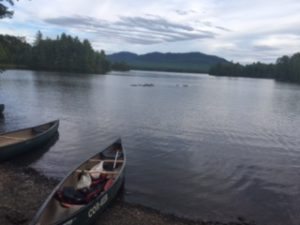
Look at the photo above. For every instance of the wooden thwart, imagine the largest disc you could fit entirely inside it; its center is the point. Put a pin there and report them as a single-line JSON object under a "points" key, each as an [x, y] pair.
{"points": [[96, 171], [106, 160], [95, 160]]}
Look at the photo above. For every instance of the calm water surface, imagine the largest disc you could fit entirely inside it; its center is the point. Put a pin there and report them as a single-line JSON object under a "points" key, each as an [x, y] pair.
{"points": [[216, 149]]}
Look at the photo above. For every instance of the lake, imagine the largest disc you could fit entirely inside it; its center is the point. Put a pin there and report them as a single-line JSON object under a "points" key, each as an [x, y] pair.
{"points": [[198, 146]]}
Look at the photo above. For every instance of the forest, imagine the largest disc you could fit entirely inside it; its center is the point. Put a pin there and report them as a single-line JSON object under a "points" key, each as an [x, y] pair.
{"points": [[65, 53], [286, 68], [69, 54]]}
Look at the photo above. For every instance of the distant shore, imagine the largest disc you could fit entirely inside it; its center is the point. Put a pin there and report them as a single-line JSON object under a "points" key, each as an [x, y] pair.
{"points": [[23, 190]]}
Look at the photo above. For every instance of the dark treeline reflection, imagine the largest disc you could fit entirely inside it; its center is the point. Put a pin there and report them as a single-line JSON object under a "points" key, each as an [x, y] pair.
{"points": [[65, 53], [286, 68]]}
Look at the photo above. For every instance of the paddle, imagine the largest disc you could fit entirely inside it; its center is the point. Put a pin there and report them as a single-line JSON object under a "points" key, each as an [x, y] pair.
{"points": [[115, 162]]}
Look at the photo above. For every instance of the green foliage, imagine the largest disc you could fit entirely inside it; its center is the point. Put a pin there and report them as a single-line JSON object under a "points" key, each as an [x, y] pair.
{"points": [[4, 11], [120, 66], [14, 50], [286, 69], [64, 53], [38, 38]]}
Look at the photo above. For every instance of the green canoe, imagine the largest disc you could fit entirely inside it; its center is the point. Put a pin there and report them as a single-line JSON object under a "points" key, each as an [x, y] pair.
{"points": [[60, 209], [17, 142], [2, 108]]}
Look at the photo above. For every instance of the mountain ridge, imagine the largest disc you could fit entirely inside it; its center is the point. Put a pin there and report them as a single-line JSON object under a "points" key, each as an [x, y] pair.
{"points": [[179, 62]]}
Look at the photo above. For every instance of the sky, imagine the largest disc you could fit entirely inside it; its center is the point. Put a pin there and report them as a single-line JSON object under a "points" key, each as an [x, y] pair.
{"points": [[238, 30]]}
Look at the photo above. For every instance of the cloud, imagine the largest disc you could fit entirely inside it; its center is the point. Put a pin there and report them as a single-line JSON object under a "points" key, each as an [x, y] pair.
{"points": [[265, 48], [234, 29], [185, 12], [134, 30], [182, 12], [157, 24], [223, 28]]}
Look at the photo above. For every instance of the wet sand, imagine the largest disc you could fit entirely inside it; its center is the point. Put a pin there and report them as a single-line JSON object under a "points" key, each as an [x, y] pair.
{"points": [[23, 190]]}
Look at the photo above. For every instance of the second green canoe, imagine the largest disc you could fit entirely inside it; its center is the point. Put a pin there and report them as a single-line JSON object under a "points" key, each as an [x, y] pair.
{"points": [[16, 142]]}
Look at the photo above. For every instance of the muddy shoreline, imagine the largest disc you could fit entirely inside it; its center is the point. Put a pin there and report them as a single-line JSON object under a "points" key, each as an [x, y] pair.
{"points": [[23, 190]]}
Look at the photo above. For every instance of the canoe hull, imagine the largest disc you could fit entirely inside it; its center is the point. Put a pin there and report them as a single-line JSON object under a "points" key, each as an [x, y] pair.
{"points": [[2, 108], [10, 151]]}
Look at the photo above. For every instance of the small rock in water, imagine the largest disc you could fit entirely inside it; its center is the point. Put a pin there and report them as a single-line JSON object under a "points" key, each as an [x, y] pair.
{"points": [[182, 85], [142, 85]]}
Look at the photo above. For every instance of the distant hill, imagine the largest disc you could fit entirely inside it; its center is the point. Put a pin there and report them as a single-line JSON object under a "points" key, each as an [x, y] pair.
{"points": [[179, 62]]}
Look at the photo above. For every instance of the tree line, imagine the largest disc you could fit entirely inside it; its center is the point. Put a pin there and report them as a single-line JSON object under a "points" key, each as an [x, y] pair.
{"points": [[286, 68], [65, 53]]}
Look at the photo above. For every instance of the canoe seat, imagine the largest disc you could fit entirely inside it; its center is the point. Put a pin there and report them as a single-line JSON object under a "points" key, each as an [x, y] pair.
{"points": [[38, 130], [95, 172], [111, 154]]}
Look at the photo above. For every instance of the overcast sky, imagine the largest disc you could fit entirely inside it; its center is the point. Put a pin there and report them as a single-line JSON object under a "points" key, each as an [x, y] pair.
{"points": [[239, 30]]}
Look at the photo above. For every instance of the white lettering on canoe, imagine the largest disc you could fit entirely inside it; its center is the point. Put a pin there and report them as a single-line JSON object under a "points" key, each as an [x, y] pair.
{"points": [[97, 206], [103, 200]]}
